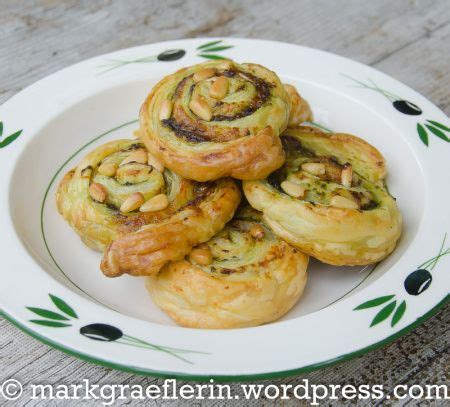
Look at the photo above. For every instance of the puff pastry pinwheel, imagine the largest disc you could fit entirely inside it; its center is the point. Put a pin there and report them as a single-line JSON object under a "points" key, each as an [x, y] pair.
{"points": [[121, 199], [300, 109], [217, 119], [329, 199], [244, 276]]}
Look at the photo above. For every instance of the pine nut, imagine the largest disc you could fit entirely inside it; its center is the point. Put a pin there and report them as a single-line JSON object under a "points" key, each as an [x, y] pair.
{"points": [[225, 65], [201, 255], [139, 156], [293, 189], [157, 203], [108, 169], [97, 192], [203, 74], [257, 232], [343, 202], [133, 202], [165, 110], [347, 175], [314, 168], [86, 172], [155, 163], [201, 108], [219, 88], [133, 173]]}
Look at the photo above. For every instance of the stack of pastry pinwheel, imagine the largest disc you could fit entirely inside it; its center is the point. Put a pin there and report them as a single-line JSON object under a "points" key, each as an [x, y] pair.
{"points": [[225, 194]]}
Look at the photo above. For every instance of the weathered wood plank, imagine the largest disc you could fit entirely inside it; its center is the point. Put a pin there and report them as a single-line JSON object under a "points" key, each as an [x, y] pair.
{"points": [[420, 357], [44, 36]]}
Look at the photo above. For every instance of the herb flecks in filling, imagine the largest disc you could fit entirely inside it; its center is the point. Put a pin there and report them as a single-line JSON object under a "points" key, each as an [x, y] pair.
{"points": [[188, 133], [128, 174], [248, 93], [320, 187], [235, 250], [262, 95]]}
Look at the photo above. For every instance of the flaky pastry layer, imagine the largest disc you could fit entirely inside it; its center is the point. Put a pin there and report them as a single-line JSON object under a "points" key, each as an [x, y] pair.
{"points": [[204, 137], [251, 280], [170, 214], [329, 198]]}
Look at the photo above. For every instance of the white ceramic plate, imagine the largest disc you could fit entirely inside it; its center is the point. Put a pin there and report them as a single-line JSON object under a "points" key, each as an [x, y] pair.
{"points": [[51, 283]]}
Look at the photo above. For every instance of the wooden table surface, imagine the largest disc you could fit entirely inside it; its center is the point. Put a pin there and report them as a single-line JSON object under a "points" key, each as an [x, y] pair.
{"points": [[406, 39]]}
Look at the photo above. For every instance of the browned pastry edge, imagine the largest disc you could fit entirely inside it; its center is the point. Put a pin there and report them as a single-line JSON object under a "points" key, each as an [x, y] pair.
{"points": [[253, 158], [146, 251]]}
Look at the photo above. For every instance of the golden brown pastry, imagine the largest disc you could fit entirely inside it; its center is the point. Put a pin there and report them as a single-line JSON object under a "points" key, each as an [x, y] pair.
{"points": [[119, 193], [244, 276], [300, 110], [329, 199], [217, 119]]}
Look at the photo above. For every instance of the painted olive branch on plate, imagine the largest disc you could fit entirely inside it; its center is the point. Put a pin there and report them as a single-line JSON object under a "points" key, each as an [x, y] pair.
{"points": [[208, 50], [9, 139], [99, 331], [415, 284], [408, 108]]}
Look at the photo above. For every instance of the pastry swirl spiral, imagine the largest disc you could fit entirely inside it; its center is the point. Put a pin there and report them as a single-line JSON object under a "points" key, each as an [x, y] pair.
{"points": [[329, 198], [119, 196], [217, 119], [252, 278]]}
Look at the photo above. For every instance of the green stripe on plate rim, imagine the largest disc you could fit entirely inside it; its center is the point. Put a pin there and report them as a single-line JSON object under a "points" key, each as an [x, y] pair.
{"points": [[45, 198], [229, 378]]}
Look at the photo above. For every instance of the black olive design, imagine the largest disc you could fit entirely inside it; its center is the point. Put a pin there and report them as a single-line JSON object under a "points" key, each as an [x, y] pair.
{"points": [[418, 281], [171, 55], [101, 332], [408, 108], [403, 106]]}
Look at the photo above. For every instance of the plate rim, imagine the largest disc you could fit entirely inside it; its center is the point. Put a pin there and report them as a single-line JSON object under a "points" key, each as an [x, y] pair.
{"points": [[230, 378], [281, 373]]}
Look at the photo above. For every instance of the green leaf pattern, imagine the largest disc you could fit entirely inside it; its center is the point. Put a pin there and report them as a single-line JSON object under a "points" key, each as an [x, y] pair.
{"points": [[93, 331], [48, 314], [422, 134], [437, 132], [384, 313], [374, 303], [63, 306], [408, 108], [440, 125], [210, 49], [433, 127], [209, 44], [52, 324], [398, 313], [52, 317], [8, 140], [221, 48]]}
